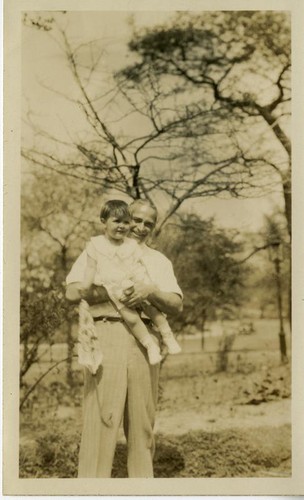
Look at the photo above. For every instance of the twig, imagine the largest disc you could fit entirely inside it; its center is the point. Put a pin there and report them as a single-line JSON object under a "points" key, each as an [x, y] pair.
{"points": [[41, 378]]}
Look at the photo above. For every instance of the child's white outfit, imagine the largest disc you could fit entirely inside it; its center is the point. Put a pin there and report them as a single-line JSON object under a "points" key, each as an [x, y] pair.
{"points": [[117, 268], [115, 264]]}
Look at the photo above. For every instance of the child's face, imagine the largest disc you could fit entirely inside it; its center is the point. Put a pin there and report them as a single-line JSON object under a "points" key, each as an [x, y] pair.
{"points": [[116, 228]]}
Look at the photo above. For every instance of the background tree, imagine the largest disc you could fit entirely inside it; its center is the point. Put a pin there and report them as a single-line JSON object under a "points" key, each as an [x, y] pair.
{"points": [[206, 265], [203, 113], [278, 251], [233, 68], [54, 228]]}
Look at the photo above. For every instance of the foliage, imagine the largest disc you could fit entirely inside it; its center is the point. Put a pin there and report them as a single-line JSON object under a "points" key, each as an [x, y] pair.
{"points": [[233, 68], [49, 443], [206, 266], [53, 454], [53, 230], [41, 314], [202, 113], [196, 454], [228, 453], [262, 286], [51, 394], [58, 215]]}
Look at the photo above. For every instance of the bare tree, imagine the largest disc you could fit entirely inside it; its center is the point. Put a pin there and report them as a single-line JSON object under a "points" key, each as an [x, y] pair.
{"points": [[235, 66], [183, 123]]}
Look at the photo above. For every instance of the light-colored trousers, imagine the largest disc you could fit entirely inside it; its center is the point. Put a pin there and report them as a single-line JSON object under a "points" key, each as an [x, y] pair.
{"points": [[127, 392]]}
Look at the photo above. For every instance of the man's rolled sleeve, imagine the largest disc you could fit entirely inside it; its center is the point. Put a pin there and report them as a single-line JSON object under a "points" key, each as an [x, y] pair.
{"points": [[78, 269], [161, 271]]}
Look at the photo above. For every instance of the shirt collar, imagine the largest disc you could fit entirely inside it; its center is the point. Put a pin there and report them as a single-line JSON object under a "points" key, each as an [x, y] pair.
{"points": [[107, 248]]}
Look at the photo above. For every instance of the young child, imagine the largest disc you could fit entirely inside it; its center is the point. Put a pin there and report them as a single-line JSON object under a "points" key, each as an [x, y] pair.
{"points": [[114, 261]]}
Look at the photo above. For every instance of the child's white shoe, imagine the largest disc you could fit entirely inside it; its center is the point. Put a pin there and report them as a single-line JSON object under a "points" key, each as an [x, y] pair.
{"points": [[171, 343], [153, 353]]}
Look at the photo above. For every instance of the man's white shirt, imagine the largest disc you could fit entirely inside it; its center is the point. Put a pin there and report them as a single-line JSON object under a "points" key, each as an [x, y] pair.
{"points": [[158, 266]]}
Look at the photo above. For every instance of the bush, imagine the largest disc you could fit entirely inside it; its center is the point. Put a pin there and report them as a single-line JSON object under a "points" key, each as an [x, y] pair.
{"points": [[53, 454]]}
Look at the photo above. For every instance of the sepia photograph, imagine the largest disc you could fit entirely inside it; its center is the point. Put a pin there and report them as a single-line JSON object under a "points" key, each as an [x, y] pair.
{"points": [[155, 270]]}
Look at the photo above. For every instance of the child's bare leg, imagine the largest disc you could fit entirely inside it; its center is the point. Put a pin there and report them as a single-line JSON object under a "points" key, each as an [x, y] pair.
{"points": [[141, 333], [163, 326]]}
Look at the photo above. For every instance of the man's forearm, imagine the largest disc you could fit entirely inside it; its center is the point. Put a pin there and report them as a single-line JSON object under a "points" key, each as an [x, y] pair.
{"points": [[93, 295], [167, 302]]}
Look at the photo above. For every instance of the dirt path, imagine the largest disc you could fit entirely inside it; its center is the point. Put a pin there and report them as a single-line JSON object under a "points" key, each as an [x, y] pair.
{"points": [[214, 418], [207, 425], [221, 401]]}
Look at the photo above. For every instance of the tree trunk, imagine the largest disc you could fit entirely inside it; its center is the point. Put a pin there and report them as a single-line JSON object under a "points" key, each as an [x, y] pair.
{"points": [[287, 200], [288, 213], [69, 361], [69, 337], [203, 331], [277, 130]]}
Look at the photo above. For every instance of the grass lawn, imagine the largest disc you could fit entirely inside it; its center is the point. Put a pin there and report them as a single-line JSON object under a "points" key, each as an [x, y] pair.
{"points": [[209, 424]]}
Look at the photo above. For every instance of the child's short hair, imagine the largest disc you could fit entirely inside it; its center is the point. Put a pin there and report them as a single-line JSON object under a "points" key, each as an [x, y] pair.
{"points": [[115, 208]]}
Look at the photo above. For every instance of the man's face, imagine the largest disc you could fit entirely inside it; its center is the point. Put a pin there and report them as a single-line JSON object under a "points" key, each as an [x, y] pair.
{"points": [[142, 223]]}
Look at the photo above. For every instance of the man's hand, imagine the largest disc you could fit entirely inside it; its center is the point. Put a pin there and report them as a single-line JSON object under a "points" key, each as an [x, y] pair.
{"points": [[94, 295], [140, 292]]}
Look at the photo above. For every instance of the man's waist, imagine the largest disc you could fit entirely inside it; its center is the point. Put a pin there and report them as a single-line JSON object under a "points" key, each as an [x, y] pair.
{"points": [[107, 312], [104, 319], [103, 309]]}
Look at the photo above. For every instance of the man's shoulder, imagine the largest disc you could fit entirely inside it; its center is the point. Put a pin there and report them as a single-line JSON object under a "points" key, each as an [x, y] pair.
{"points": [[161, 271], [153, 253]]}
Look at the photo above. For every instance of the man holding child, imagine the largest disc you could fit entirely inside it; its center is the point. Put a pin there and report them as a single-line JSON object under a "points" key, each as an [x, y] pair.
{"points": [[127, 383]]}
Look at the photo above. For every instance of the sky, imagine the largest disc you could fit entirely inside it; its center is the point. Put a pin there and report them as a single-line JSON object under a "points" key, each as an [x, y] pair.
{"points": [[43, 66]]}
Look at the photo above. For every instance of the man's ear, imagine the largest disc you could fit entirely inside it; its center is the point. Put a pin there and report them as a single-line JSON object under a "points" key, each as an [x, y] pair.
{"points": [[150, 240]]}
